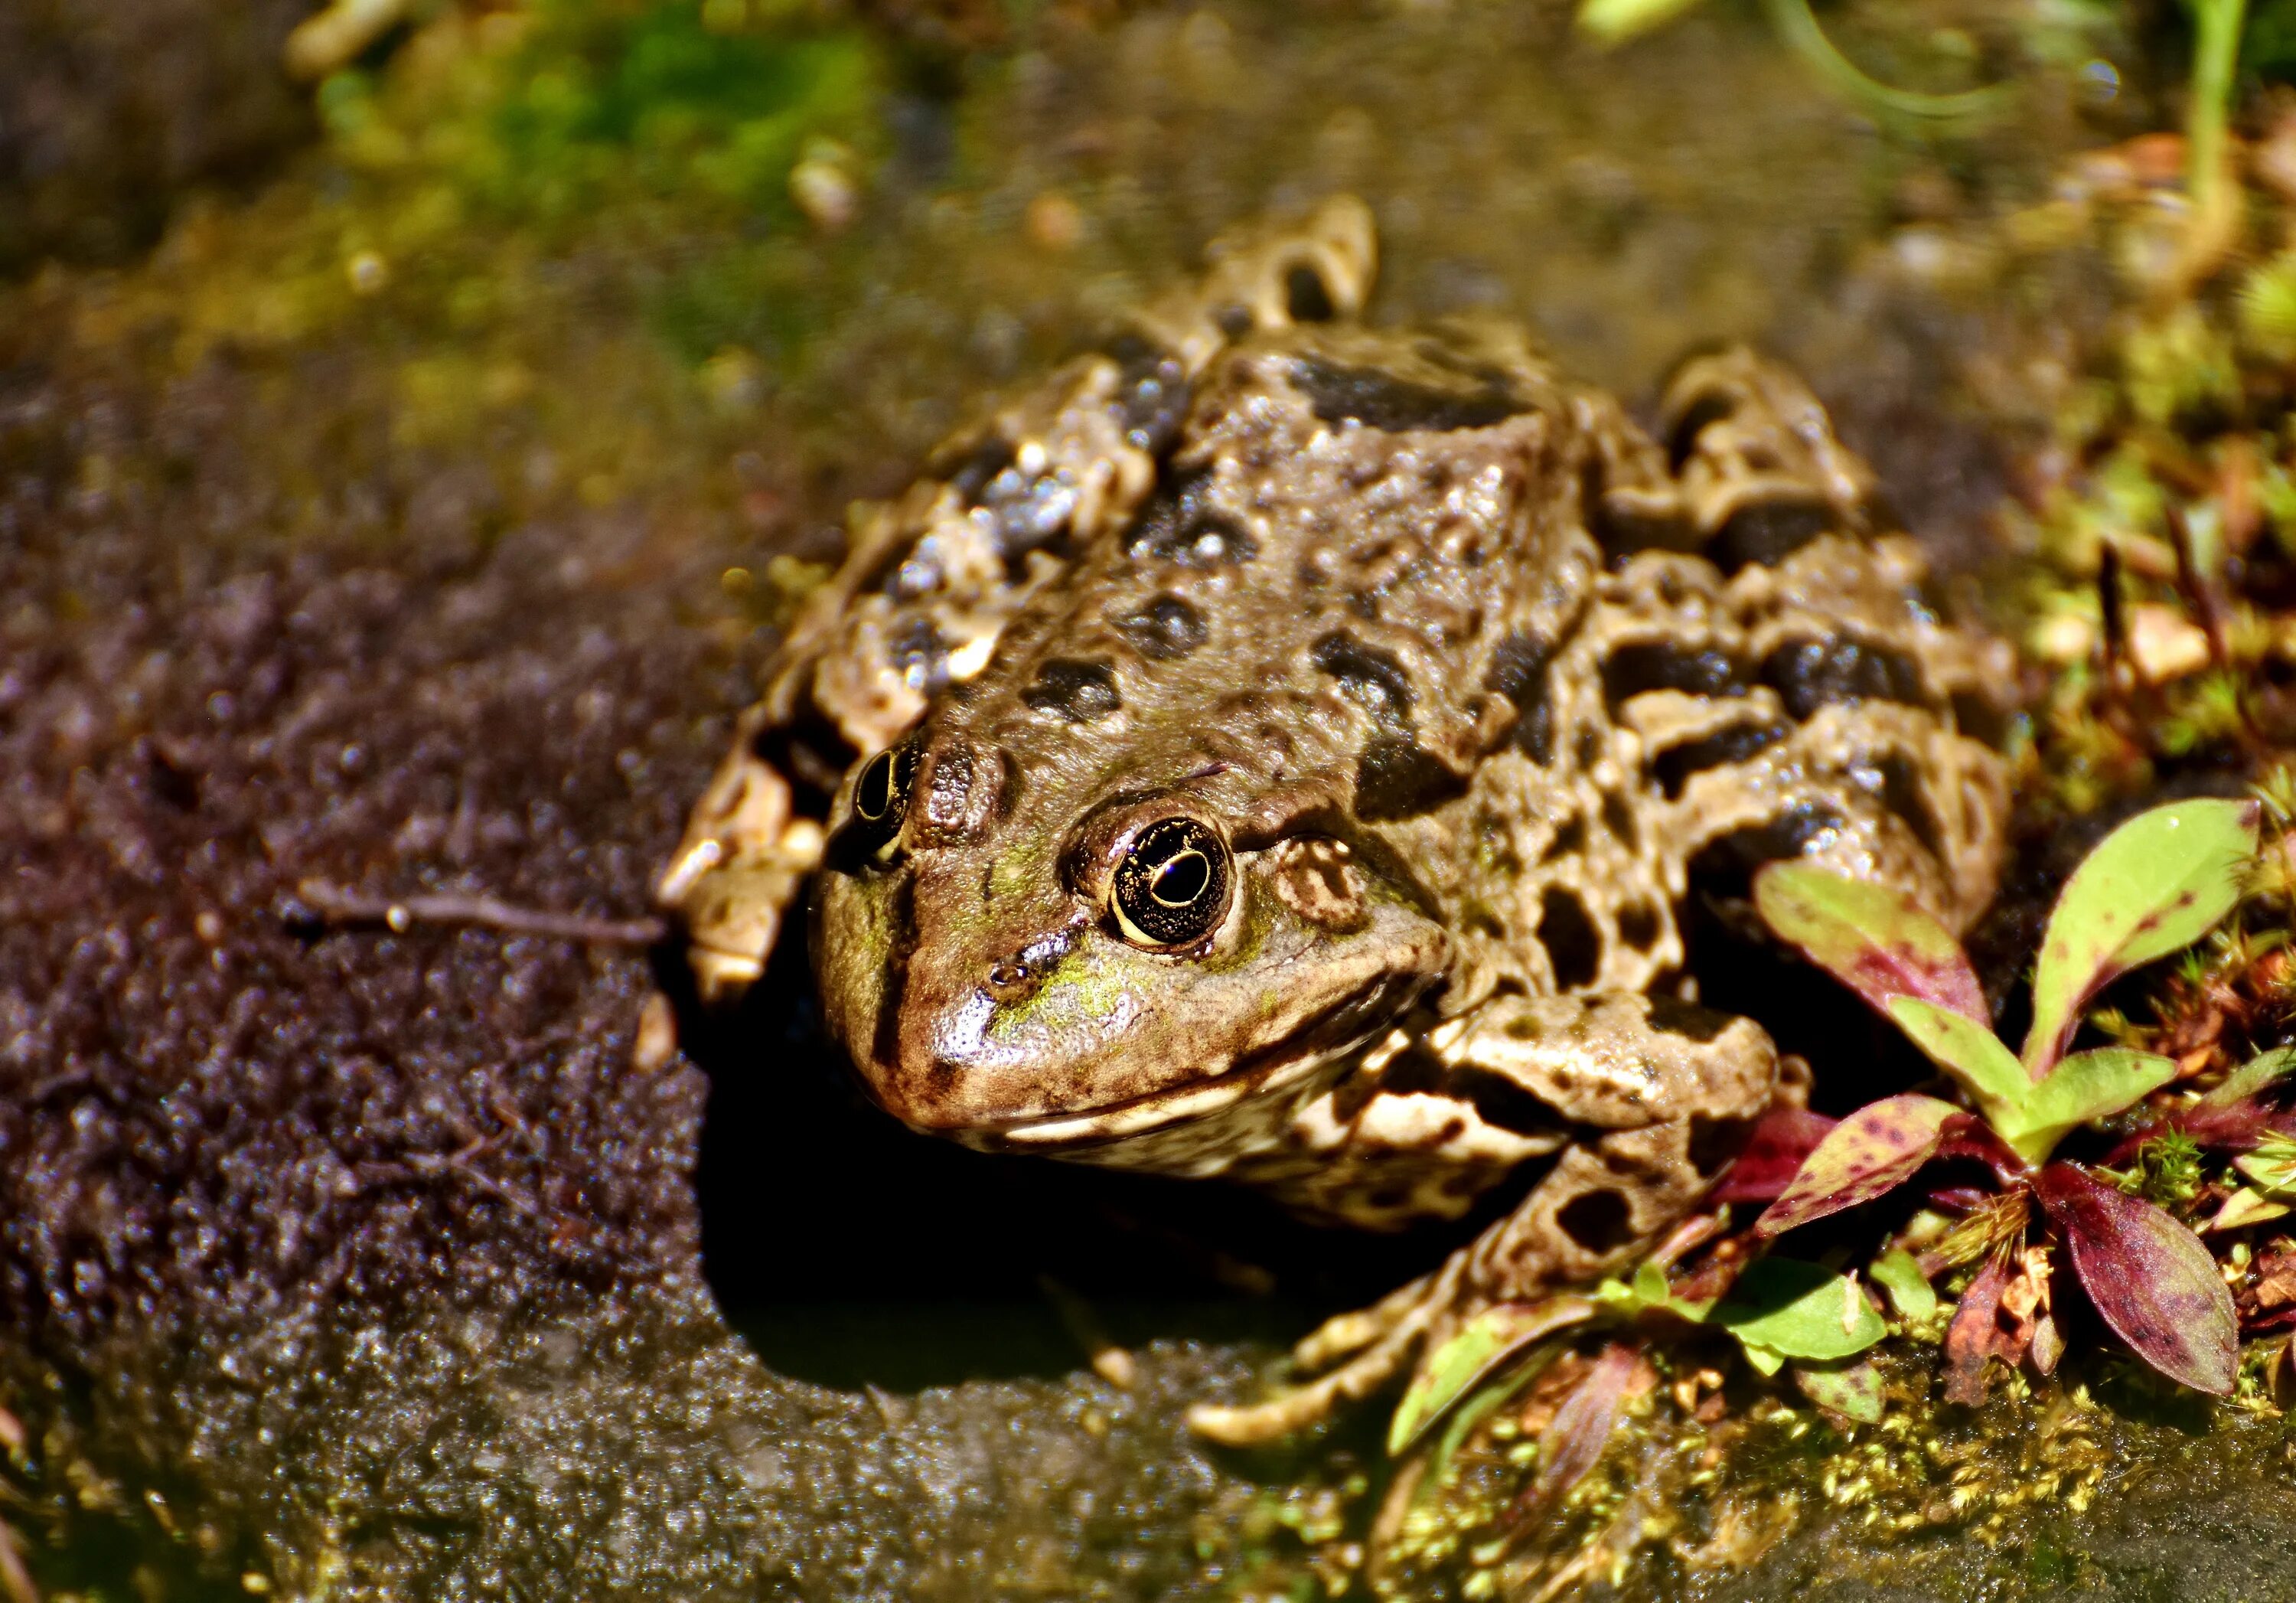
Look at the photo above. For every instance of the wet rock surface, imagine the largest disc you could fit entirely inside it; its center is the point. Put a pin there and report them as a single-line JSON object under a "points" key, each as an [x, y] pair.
{"points": [[366, 1260], [109, 109]]}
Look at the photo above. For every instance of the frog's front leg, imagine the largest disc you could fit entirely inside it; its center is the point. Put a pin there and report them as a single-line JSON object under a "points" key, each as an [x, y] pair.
{"points": [[1648, 1098]]}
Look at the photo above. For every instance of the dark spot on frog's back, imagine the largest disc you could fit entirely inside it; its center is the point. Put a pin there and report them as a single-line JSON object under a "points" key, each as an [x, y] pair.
{"points": [[1153, 392], [1673, 767], [970, 470], [1519, 672], [1767, 533], [1901, 794], [1373, 678], [1686, 1019], [1648, 665], [1574, 945], [1075, 691], [1165, 630], [920, 655], [1811, 674], [1178, 524], [1724, 867], [1394, 405], [1600, 1221], [1305, 298], [1396, 778]]}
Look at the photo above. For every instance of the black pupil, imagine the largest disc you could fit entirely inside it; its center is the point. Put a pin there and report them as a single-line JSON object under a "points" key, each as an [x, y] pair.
{"points": [[1182, 880], [874, 797], [1172, 887]]}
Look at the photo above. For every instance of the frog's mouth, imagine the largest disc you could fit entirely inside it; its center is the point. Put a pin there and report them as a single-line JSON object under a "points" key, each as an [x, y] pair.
{"points": [[1203, 1126]]}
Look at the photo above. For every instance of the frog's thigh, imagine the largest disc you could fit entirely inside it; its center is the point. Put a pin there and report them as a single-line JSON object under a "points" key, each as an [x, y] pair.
{"points": [[1661, 1094]]}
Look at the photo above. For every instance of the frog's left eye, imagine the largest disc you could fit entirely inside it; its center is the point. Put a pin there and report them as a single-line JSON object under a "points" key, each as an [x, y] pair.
{"points": [[880, 794], [1172, 887]]}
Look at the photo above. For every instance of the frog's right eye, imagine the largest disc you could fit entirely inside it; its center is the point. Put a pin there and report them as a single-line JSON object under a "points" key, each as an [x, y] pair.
{"points": [[1171, 888], [880, 794]]}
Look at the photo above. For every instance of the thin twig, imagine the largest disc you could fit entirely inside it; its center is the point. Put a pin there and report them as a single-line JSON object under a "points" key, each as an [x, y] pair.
{"points": [[403, 913]]}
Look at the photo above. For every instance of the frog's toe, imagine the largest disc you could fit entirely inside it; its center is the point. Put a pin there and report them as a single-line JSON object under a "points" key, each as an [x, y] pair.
{"points": [[1378, 1343], [1311, 1404]]}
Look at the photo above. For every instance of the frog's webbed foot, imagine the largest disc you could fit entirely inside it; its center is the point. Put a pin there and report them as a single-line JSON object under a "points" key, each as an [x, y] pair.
{"points": [[745, 853], [1377, 1344], [1656, 1096], [1263, 279]]}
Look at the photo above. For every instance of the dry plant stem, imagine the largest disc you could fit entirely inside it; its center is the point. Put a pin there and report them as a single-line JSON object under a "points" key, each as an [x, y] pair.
{"points": [[401, 913]]}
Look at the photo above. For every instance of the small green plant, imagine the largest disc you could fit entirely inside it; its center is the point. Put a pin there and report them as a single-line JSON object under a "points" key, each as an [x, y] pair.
{"points": [[1613, 22], [2154, 886]]}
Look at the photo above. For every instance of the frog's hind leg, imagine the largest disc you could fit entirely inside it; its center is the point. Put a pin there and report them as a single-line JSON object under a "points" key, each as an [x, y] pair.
{"points": [[1383, 1339], [1655, 1097]]}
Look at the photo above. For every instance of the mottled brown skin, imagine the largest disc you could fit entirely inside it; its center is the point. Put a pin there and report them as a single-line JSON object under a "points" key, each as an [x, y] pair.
{"points": [[1434, 677]]}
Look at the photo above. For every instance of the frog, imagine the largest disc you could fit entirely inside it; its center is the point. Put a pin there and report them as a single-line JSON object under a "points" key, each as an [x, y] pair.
{"points": [[1284, 749]]}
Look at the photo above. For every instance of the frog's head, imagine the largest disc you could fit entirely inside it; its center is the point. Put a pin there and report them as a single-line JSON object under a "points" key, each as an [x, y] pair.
{"points": [[1057, 960]]}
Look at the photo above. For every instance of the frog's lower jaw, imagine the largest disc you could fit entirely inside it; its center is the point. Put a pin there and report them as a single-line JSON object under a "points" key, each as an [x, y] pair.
{"points": [[1192, 1132]]}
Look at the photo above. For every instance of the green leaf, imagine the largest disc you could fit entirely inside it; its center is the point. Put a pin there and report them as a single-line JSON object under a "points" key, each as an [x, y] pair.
{"points": [[1613, 22], [1972, 1054], [1880, 943], [1766, 1360], [1899, 1273], [1872, 1151], [2271, 1164], [2246, 1206], [1647, 1291], [1852, 1390], [1799, 1311], [2156, 885], [1483, 1346], [2087, 1085], [2250, 1077]]}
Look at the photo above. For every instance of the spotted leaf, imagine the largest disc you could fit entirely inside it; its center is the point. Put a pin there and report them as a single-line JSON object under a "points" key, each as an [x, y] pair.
{"points": [[1880, 943], [1874, 1150], [1573, 1441], [1852, 1390], [1969, 1052], [2153, 1281], [2156, 885]]}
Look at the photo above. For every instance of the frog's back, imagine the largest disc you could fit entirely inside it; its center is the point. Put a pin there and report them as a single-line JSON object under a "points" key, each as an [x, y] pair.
{"points": [[1552, 672], [1551, 667]]}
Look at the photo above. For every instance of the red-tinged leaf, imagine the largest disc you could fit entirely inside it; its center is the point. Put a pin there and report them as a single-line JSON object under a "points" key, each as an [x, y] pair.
{"points": [[1879, 942], [1973, 1138], [2153, 886], [2227, 1127], [1773, 1154], [1974, 1337], [1573, 1441], [1874, 1150], [2152, 1281]]}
